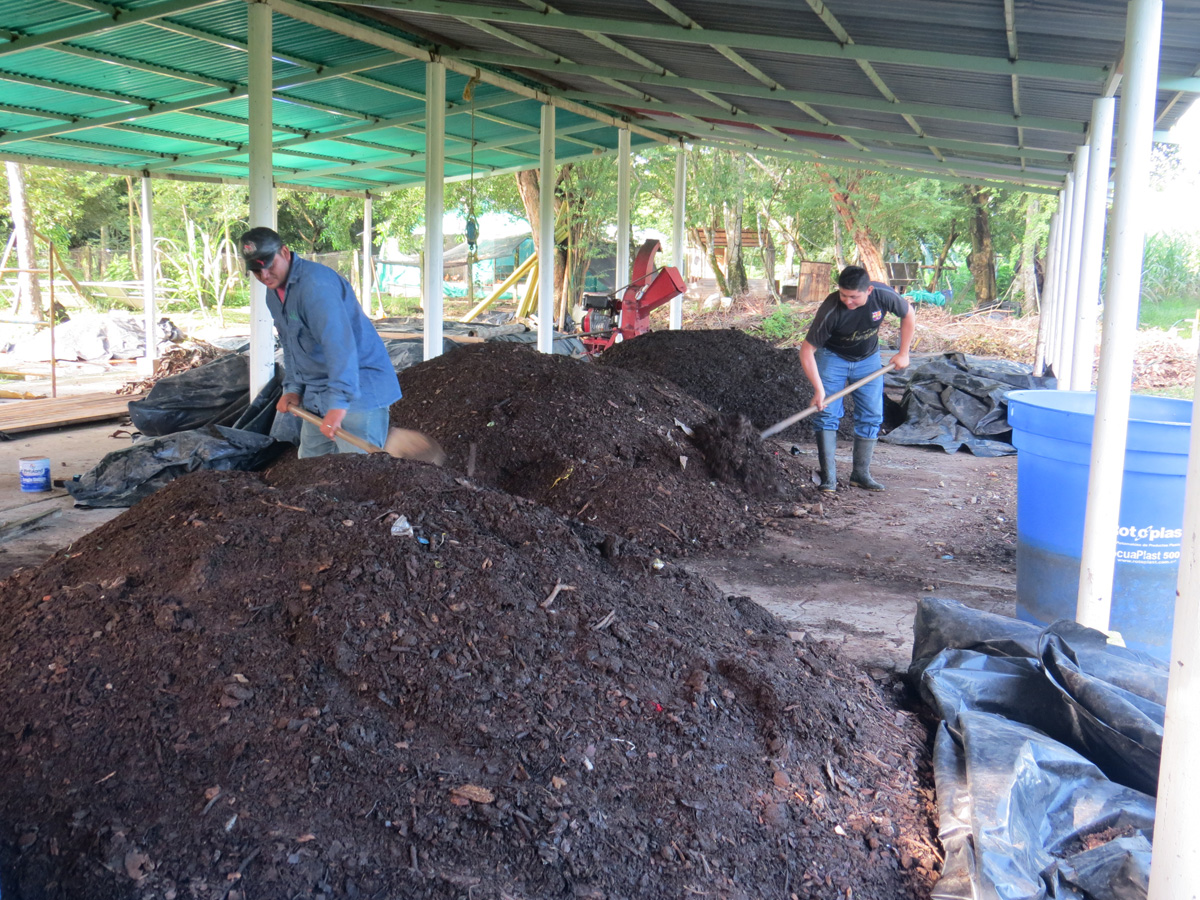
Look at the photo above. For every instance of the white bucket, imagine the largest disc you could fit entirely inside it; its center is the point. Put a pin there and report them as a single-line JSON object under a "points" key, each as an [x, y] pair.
{"points": [[35, 473]]}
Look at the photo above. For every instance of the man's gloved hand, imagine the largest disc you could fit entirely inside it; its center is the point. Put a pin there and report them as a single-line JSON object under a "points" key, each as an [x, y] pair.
{"points": [[289, 399]]}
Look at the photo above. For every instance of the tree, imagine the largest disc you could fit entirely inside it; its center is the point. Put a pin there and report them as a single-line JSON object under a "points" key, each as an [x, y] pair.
{"points": [[982, 258], [28, 287], [851, 203]]}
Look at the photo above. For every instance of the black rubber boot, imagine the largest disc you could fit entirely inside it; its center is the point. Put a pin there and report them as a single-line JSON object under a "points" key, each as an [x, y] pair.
{"points": [[860, 476], [826, 442]]}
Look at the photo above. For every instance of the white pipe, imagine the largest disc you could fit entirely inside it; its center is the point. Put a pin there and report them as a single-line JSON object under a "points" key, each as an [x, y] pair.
{"points": [[1074, 251], [623, 274], [1131, 189], [368, 270], [1060, 277], [262, 185], [150, 306], [1092, 257], [546, 178], [1046, 310], [1176, 858], [678, 236], [435, 204]]}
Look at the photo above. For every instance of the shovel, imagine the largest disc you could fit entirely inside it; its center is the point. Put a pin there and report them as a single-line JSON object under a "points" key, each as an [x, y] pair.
{"points": [[401, 443], [804, 414]]}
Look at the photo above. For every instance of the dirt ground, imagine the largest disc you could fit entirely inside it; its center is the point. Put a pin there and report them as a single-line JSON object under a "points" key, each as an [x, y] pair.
{"points": [[562, 678]]}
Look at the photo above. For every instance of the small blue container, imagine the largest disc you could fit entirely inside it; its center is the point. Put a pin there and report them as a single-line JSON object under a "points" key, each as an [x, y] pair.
{"points": [[35, 473], [1052, 431]]}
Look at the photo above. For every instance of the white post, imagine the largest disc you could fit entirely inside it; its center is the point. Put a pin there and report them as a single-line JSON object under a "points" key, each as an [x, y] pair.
{"points": [[150, 308], [678, 237], [435, 203], [546, 176], [1060, 278], [1074, 250], [262, 187], [1131, 188], [621, 276], [1049, 298], [1092, 257], [1176, 856], [368, 270]]}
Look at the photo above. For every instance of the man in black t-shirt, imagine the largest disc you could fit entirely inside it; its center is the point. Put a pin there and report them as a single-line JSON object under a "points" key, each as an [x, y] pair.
{"points": [[842, 346]]}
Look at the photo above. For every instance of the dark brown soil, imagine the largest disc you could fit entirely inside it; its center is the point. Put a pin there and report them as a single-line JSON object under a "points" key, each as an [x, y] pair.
{"points": [[248, 687], [730, 371], [598, 443]]}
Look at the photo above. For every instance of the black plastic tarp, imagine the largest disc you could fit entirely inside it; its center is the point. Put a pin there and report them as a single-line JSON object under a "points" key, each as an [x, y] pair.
{"points": [[216, 393], [128, 475], [1046, 760], [955, 400]]}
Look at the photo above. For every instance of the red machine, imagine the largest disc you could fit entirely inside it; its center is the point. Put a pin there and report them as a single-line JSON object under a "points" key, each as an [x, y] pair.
{"points": [[609, 318]]}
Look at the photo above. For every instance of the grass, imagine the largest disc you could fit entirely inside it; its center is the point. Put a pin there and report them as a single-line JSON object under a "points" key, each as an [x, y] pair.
{"points": [[1173, 313]]}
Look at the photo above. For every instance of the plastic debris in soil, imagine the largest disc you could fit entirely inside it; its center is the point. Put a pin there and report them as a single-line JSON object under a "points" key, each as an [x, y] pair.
{"points": [[602, 444], [1047, 757], [248, 686]]}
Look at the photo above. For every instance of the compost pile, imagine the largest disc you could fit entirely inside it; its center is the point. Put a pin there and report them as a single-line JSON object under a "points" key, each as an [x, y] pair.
{"points": [[361, 677], [730, 371], [601, 444]]}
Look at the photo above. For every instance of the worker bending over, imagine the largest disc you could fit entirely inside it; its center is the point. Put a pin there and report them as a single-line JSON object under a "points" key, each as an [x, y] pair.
{"points": [[842, 346], [335, 361]]}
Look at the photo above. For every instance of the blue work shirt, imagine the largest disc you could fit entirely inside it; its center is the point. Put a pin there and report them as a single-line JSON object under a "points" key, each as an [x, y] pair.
{"points": [[334, 357]]}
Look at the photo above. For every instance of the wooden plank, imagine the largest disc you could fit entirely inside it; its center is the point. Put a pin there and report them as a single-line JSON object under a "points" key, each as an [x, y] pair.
{"points": [[413, 335], [36, 415]]}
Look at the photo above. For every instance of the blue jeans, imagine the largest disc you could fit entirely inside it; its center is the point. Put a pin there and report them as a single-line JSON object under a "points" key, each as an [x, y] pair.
{"points": [[368, 424], [835, 374]]}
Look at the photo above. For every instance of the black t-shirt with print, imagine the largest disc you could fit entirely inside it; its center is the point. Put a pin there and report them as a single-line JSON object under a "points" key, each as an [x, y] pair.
{"points": [[853, 334]]}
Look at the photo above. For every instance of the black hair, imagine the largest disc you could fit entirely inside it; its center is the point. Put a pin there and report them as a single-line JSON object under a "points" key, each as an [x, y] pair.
{"points": [[854, 278]]}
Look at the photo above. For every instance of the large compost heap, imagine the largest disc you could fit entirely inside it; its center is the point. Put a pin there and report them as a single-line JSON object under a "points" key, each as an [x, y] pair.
{"points": [[602, 444], [730, 371], [272, 685]]}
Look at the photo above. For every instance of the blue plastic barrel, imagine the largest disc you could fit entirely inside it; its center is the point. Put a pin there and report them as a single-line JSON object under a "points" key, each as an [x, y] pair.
{"points": [[1052, 431]]}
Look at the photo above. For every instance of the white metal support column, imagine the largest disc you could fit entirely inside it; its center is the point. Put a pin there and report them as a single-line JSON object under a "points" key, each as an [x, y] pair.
{"points": [[146, 363], [368, 270], [678, 237], [262, 187], [435, 196], [1092, 256], [1074, 251], [1176, 858], [545, 339], [1049, 298], [1060, 277], [622, 275], [1131, 187]]}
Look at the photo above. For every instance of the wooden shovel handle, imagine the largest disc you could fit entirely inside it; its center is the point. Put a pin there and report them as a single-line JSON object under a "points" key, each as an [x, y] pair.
{"points": [[346, 436], [804, 414]]}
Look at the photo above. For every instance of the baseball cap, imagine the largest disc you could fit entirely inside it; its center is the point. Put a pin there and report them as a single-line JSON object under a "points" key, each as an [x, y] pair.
{"points": [[259, 246]]}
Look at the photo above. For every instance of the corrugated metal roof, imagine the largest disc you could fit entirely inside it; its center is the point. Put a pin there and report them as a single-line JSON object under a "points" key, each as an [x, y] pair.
{"points": [[160, 86]]}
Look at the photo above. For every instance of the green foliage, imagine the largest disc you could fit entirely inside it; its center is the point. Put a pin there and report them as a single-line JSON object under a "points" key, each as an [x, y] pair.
{"points": [[1170, 313], [784, 325], [1171, 268]]}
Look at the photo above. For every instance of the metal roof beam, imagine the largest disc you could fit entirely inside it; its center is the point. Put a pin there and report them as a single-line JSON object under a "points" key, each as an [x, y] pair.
{"points": [[868, 104], [110, 20], [775, 43], [388, 41], [981, 169], [866, 134], [140, 66]]}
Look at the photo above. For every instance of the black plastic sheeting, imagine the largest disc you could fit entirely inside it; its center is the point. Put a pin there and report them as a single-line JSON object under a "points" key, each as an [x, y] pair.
{"points": [[128, 475], [216, 393], [955, 400], [1046, 760]]}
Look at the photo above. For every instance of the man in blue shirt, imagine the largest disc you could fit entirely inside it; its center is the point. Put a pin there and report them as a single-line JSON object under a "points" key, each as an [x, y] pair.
{"points": [[842, 346], [336, 364]]}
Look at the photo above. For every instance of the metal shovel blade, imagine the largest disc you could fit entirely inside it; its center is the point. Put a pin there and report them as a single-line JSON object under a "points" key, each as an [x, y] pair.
{"points": [[403, 443]]}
